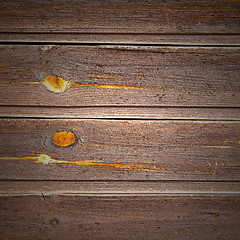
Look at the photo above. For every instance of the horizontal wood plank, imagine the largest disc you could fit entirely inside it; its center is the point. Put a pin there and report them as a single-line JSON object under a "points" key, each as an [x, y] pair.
{"points": [[119, 16], [119, 76], [119, 150], [119, 188], [167, 113], [136, 217]]}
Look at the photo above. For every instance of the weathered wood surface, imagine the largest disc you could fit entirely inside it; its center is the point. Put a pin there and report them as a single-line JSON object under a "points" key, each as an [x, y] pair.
{"points": [[120, 150], [136, 217], [119, 16], [121, 76], [168, 113], [115, 38], [169, 176], [117, 188]]}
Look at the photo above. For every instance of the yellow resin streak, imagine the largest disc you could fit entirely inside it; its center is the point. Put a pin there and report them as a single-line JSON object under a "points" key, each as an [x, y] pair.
{"points": [[47, 160], [57, 84]]}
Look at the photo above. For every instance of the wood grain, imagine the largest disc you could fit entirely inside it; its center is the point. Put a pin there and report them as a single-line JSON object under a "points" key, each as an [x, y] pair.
{"points": [[168, 113], [70, 168], [121, 150], [117, 188], [136, 217], [157, 76], [119, 16]]}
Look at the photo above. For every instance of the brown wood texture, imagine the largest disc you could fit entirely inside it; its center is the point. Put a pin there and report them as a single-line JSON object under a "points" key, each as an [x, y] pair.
{"points": [[168, 113], [119, 119], [121, 76], [119, 16], [120, 150], [136, 217], [117, 188]]}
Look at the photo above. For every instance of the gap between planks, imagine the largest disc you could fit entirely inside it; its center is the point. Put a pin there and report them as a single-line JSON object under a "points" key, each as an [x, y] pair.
{"points": [[148, 39], [12, 188], [112, 188], [115, 43], [121, 113], [99, 43]]}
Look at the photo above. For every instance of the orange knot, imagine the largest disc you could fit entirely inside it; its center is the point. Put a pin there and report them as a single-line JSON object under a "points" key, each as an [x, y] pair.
{"points": [[54, 221], [64, 138], [55, 84]]}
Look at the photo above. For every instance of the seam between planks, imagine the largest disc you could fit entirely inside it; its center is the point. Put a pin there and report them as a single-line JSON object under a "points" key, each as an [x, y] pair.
{"points": [[122, 194], [126, 119], [99, 43], [120, 106], [121, 118], [120, 181]]}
